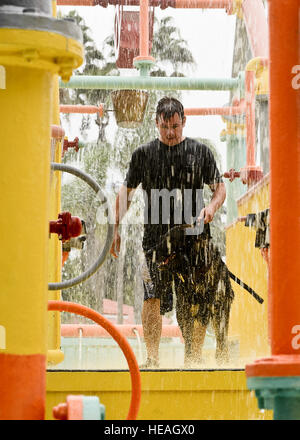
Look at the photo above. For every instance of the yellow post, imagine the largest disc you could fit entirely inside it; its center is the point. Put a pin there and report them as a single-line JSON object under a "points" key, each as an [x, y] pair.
{"points": [[30, 59], [54, 353]]}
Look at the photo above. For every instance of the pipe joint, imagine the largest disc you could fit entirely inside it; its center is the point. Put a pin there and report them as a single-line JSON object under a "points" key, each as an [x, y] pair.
{"points": [[260, 67], [80, 408], [144, 64], [236, 8]]}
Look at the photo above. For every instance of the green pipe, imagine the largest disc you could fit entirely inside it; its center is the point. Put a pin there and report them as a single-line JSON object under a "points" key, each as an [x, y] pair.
{"points": [[150, 83]]}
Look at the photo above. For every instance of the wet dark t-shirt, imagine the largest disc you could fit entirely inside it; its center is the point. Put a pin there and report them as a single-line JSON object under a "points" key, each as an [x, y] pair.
{"points": [[172, 180]]}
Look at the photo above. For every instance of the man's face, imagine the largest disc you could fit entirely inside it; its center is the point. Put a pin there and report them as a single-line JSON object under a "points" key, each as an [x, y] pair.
{"points": [[170, 131]]}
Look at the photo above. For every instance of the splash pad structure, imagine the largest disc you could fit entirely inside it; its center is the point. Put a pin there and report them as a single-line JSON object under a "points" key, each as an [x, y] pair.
{"points": [[32, 59]]}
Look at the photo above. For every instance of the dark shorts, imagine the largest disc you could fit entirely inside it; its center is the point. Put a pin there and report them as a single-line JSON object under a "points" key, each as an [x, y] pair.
{"points": [[196, 277]]}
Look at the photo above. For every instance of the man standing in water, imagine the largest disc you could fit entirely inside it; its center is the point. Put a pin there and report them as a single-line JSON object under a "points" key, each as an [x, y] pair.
{"points": [[180, 256]]}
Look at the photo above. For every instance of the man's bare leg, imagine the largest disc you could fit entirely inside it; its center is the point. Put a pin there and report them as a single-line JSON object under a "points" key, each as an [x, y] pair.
{"points": [[196, 344], [152, 326]]}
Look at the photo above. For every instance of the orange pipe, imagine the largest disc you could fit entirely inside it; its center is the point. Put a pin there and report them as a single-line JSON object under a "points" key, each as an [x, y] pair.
{"points": [[64, 306], [250, 117], [127, 330], [226, 111], [257, 27], [284, 182], [81, 109], [57, 132], [144, 28], [205, 4]]}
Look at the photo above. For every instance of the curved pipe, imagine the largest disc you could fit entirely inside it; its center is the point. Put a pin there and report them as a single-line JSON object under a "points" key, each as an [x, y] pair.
{"points": [[64, 306], [109, 238], [82, 109]]}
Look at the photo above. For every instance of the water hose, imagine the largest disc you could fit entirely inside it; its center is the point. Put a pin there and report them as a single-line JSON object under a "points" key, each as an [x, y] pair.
{"points": [[109, 238], [78, 309], [179, 228]]}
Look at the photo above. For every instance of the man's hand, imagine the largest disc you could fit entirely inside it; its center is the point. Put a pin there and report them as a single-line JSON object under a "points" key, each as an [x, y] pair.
{"points": [[218, 198], [116, 244], [207, 214]]}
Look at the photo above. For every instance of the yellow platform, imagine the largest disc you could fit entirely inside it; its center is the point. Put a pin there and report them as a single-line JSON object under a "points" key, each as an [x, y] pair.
{"points": [[166, 395]]}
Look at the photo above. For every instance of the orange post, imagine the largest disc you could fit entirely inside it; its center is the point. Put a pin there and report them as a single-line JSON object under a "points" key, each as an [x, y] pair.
{"points": [[284, 298], [285, 165]]}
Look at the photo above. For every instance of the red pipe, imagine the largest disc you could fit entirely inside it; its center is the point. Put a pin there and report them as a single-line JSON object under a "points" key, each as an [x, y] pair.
{"points": [[82, 109], [250, 117], [257, 27], [64, 306]]}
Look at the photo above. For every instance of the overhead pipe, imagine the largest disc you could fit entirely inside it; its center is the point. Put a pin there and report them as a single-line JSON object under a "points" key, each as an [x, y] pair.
{"points": [[257, 26], [151, 83], [222, 111], [203, 4], [82, 109], [200, 4], [276, 378]]}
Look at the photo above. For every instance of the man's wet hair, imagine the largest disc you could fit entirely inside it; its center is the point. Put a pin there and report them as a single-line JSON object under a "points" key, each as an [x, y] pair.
{"points": [[167, 107]]}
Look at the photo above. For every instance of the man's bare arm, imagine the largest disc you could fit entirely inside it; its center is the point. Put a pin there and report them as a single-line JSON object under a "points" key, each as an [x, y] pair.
{"points": [[217, 200]]}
